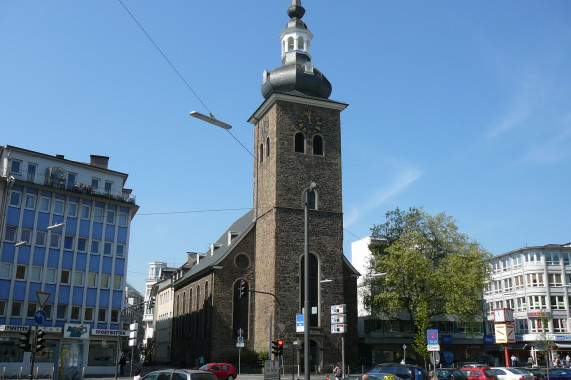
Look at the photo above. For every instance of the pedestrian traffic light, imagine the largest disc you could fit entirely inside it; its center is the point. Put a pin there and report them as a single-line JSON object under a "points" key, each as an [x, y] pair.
{"points": [[243, 288], [40, 340], [275, 349], [25, 340], [280, 347]]}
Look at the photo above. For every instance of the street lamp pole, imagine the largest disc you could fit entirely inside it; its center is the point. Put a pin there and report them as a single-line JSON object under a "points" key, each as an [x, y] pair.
{"points": [[306, 314]]}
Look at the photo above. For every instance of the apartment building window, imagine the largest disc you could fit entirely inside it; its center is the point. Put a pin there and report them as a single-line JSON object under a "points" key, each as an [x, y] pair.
{"points": [[490, 307], [31, 310], [26, 235], [507, 284], [95, 246], [538, 326], [5, 271], [534, 279], [552, 258], [496, 266], [58, 207], [88, 315], [108, 186], [107, 248], [117, 282], [499, 305], [30, 202], [21, 272], [36, 273], [78, 278], [82, 244], [10, 234], [521, 304], [40, 238], [517, 261], [71, 180], [15, 166], [72, 209], [92, 279], [75, 313], [51, 276], [565, 257], [16, 309], [522, 326], [55, 240], [102, 317], [61, 311], [2, 308], [554, 279], [98, 214], [123, 218], [114, 315], [104, 281], [68, 242], [120, 250], [559, 325], [45, 204], [95, 183], [510, 304], [557, 302], [497, 286], [506, 264], [32, 169], [65, 277], [110, 217], [85, 211], [15, 198], [537, 302], [533, 258]]}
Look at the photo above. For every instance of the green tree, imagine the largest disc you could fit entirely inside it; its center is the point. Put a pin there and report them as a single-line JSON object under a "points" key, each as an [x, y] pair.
{"points": [[421, 267]]}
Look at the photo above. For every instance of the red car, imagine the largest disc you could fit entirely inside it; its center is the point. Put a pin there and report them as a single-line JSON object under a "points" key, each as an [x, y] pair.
{"points": [[223, 371], [484, 373]]}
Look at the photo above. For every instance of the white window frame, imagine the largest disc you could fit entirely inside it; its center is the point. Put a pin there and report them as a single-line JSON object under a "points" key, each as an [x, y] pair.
{"points": [[104, 281], [5, 270], [36, 273], [95, 182], [100, 312], [56, 203], [10, 234], [98, 213], [123, 219], [79, 278], [72, 209], [110, 217], [88, 314], [55, 240], [108, 189], [42, 236], [63, 307], [92, 245], [45, 207], [31, 177], [108, 248], [84, 249], [75, 313], [27, 235], [65, 239], [117, 280], [12, 309], [123, 247], [15, 193], [92, 279], [51, 275], [61, 277], [31, 204], [88, 208], [12, 162], [21, 276]]}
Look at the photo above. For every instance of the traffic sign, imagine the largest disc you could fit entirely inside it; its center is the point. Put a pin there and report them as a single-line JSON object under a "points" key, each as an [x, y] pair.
{"points": [[432, 336], [42, 298], [433, 347], [299, 323], [40, 317]]}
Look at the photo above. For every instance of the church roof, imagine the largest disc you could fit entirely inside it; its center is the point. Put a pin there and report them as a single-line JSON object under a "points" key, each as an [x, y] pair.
{"points": [[209, 258], [297, 75]]}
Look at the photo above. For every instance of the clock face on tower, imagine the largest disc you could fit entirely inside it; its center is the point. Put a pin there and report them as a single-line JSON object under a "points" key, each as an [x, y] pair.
{"points": [[309, 122], [499, 315]]}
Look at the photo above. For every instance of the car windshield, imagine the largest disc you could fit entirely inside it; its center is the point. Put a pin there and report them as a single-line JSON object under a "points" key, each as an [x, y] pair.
{"points": [[519, 371], [489, 373], [204, 367]]}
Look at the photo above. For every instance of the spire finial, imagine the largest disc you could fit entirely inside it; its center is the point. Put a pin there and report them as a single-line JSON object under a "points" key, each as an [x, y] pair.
{"points": [[296, 10]]}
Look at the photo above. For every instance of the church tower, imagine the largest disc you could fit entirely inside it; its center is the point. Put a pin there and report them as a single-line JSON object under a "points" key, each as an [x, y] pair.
{"points": [[297, 142]]}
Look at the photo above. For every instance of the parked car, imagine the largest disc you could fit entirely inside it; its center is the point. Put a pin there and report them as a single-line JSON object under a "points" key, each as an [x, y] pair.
{"points": [[450, 374], [512, 373], [534, 371], [479, 373], [376, 376], [223, 371], [480, 359], [558, 373], [404, 371], [179, 374]]}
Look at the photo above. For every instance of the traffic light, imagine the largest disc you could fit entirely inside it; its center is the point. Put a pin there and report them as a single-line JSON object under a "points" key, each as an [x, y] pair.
{"points": [[275, 349], [243, 288], [40, 340], [25, 340], [280, 347]]}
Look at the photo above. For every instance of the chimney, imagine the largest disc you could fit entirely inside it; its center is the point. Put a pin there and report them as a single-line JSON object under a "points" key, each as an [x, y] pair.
{"points": [[99, 161], [60, 156]]}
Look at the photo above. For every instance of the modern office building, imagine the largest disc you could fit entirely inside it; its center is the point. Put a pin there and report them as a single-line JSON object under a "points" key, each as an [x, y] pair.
{"points": [[536, 283], [64, 232]]}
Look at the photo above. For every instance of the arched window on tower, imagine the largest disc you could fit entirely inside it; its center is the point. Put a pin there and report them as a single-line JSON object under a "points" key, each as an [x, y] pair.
{"points": [[312, 200], [261, 153], [313, 288], [290, 46], [300, 45], [318, 145], [299, 142], [241, 310], [268, 147]]}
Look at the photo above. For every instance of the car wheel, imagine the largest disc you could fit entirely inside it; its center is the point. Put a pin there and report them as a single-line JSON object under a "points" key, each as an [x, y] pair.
{"points": [[230, 377]]}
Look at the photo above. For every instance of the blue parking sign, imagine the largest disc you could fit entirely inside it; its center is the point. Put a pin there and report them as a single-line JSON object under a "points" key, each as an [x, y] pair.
{"points": [[432, 336]]}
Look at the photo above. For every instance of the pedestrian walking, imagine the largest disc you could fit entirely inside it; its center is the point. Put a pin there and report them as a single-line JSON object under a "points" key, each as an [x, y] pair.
{"points": [[513, 361], [122, 363], [337, 372], [530, 362], [137, 375], [432, 375]]}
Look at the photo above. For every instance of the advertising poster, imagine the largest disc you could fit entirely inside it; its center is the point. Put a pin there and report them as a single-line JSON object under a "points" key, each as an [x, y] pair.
{"points": [[70, 363]]}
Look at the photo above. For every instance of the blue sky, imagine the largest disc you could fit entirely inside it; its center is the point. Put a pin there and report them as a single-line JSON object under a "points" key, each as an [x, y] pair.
{"points": [[455, 106]]}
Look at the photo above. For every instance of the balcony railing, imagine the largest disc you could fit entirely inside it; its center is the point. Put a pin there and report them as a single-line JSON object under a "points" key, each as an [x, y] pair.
{"points": [[61, 183]]}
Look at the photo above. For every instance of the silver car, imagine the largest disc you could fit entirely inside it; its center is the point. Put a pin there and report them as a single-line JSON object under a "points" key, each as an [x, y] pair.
{"points": [[179, 374], [504, 373]]}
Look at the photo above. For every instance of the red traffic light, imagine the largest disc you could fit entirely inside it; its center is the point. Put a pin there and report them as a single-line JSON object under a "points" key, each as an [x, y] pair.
{"points": [[280, 342]]}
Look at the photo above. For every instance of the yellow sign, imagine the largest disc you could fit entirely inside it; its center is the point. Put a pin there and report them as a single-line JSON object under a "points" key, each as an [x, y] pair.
{"points": [[505, 333]]}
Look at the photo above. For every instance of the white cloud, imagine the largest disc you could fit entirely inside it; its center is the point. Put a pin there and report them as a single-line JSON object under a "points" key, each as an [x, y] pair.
{"points": [[402, 180], [517, 114]]}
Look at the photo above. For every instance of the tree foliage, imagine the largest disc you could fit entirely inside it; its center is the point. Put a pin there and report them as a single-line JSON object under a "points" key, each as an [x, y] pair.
{"points": [[422, 266]]}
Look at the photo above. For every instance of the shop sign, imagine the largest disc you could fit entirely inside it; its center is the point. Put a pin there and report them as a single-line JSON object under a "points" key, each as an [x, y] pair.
{"points": [[19, 328], [539, 314], [76, 331], [103, 332]]}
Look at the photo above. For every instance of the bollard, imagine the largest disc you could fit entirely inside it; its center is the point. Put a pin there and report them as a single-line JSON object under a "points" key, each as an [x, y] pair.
{"points": [[20, 374]]}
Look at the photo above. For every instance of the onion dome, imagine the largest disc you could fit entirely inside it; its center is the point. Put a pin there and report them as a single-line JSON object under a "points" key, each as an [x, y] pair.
{"points": [[297, 75]]}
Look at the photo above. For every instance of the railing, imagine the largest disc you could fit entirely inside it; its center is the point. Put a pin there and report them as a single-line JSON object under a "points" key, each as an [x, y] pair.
{"points": [[18, 373], [61, 183]]}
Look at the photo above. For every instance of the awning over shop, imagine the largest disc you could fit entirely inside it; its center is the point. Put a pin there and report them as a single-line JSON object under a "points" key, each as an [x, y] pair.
{"points": [[563, 345]]}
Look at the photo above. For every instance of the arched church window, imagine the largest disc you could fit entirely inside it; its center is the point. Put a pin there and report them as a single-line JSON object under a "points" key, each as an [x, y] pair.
{"points": [[300, 45], [318, 145], [241, 310], [290, 46], [313, 288], [261, 153], [268, 147], [300, 142], [312, 200]]}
